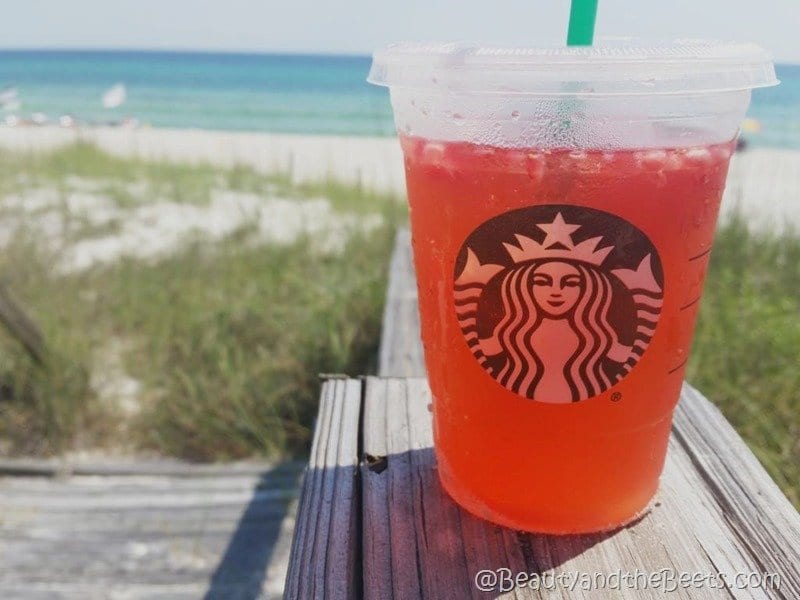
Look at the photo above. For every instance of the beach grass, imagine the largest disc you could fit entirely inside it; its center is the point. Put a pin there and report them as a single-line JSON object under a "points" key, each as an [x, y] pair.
{"points": [[132, 182], [84, 163], [746, 352], [223, 340]]}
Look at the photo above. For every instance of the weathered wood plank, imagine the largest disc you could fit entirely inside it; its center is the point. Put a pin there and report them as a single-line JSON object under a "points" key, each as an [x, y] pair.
{"points": [[326, 546], [718, 511], [147, 535], [400, 350], [377, 533], [432, 548], [166, 467], [758, 513]]}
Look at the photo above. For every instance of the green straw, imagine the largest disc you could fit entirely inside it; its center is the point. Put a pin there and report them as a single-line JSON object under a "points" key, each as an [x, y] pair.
{"points": [[582, 16]]}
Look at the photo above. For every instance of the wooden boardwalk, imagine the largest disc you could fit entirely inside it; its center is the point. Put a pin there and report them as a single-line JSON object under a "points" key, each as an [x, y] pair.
{"points": [[133, 531], [373, 521]]}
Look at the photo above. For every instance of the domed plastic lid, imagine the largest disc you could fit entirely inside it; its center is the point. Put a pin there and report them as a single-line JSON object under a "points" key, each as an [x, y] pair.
{"points": [[621, 66]]}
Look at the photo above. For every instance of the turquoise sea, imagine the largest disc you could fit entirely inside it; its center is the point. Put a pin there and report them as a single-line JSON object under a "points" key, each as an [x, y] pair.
{"points": [[260, 92]]}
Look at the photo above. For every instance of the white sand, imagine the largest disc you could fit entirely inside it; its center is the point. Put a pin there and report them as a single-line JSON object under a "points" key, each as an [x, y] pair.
{"points": [[375, 163], [764, 184], [159, 227]]}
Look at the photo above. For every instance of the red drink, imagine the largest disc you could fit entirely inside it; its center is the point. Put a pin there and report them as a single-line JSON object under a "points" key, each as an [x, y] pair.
{"points": [[563, 204], [558, 291]]}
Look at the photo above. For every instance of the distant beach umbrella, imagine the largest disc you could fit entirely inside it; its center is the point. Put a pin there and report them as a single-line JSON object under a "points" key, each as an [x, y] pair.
{"points": [[9, 99], [115, 96], [751, 126]]}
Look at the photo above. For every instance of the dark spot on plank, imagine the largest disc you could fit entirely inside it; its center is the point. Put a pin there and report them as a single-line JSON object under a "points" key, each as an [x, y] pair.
{"points": [[376, 464]]}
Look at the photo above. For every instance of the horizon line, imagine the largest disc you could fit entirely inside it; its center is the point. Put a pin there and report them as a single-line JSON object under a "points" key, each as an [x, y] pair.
{"points": [[180, 50], [232, 51]]}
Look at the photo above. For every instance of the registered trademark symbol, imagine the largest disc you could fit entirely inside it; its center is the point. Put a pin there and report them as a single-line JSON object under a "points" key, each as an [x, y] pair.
{"points": [[616, 397]]}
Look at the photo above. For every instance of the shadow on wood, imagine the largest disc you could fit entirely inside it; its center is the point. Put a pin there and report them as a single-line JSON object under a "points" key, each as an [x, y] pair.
{"points": [[421, 542], [374, 522], [153, 529], [435, 548], [241, 573]]}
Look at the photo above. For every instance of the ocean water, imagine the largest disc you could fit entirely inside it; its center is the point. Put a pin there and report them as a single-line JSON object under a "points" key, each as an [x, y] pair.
{"points": [[263, 92]]}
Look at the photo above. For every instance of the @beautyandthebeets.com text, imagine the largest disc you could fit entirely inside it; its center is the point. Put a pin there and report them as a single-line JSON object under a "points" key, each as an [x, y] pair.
{"points": [[666, 580]]}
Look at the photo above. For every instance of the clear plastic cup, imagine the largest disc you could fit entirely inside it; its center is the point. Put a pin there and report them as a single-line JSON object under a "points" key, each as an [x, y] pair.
{"points": [[563, 205]]}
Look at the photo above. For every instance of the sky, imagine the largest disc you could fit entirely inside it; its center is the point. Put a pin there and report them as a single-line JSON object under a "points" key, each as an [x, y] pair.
{"points": [[359, 26]]}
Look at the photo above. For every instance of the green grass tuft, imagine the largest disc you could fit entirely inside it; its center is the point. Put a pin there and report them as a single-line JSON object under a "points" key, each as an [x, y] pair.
{"points": [[746, 354], [230, 343], [226, 338]]}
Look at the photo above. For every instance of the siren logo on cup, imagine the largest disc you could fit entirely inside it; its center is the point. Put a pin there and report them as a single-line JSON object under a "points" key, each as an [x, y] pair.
{"points": [[558, 302]]}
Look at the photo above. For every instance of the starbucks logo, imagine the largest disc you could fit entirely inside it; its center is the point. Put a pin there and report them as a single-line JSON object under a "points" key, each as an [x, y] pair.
{"points": [[556, 302]]}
